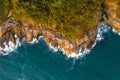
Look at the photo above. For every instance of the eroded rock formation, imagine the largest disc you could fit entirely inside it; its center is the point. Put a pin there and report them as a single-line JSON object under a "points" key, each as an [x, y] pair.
{"points": [[12, 27], [113, 11]]}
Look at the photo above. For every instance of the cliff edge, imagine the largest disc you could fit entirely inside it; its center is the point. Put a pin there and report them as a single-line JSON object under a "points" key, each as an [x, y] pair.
{"points": [[113, 12], [12, 28], [69, 25]]}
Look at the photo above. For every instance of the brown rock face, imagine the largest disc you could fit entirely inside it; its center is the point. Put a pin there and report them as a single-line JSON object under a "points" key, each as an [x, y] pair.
{"points": [[12, 27], [116, 25], [113, 11]]}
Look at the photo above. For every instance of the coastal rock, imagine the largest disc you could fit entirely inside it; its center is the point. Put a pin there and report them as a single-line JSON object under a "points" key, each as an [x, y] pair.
{"points": [[12, 27], [116, 26], [113, 11]]}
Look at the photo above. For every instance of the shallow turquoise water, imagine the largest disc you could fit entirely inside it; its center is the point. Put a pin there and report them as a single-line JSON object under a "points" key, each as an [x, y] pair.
{"points": [[38, 62]]}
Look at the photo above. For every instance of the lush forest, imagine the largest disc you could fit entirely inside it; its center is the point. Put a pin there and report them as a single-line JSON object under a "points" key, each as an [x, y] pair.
{"points": [[72, 18], [4, 10]]}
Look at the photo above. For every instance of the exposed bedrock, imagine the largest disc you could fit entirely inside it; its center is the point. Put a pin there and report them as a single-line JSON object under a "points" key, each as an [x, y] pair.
{"points": [[12, 27], [112, 8]]}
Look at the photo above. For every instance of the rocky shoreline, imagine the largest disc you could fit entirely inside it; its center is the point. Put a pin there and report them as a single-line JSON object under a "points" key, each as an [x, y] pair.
{"points": [[12, 27], [13, 32]]}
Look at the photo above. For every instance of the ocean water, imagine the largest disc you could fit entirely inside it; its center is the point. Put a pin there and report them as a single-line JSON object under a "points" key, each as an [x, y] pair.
{"points": [[37, 62]]}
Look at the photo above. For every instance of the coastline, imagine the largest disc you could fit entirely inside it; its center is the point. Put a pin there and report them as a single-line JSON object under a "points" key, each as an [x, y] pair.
{"points": [[12, 37], [13, 33]]}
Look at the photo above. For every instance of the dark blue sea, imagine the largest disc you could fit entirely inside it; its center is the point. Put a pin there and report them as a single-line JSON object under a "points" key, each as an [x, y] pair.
{"points": [[38, 62]]}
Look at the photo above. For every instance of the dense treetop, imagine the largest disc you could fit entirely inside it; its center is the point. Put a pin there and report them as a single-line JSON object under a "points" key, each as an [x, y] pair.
{"points": [[72, 18]]}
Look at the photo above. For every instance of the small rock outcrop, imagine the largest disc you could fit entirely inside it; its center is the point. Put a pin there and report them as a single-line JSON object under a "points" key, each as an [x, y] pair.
{"points": [[12, 27], [113, 11]]}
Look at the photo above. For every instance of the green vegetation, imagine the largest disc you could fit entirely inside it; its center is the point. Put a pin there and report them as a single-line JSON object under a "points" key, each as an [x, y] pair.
{"points": [[72, 18], [118, 8], [4, 10]]}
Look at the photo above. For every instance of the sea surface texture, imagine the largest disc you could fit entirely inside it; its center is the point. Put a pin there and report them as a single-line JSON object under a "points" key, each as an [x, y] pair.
{"points": [[38, 62]]}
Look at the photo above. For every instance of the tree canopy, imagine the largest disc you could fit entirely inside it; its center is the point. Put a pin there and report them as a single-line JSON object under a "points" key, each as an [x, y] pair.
{"points": [[72, 18]]}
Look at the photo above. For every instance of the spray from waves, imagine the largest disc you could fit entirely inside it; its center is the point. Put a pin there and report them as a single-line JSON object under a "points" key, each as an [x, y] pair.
{"points": [[10, 47], [101, 29], [115, 32]]}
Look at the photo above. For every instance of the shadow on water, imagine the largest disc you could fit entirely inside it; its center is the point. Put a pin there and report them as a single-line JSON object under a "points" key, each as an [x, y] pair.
{"points": [[38, 62]]}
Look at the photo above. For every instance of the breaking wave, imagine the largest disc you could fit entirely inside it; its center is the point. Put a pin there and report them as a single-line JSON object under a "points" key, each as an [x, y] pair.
{"points": [[10, 47], [101, 29]]}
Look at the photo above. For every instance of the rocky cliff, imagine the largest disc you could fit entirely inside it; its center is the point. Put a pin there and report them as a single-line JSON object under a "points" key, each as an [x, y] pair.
{"points": [[112, 8], [12, 27], [27, 31]]}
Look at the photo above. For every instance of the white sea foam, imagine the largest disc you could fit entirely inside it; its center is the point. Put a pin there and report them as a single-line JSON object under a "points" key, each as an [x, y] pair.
{"points": [[119, 34], [101, 29], [55, 49], [73, 55], [115, 31], [34, 41], [10, 47], [70, 55], [99, 37], [17, 43], [40, 37], [15, 36], [80, 54]]}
